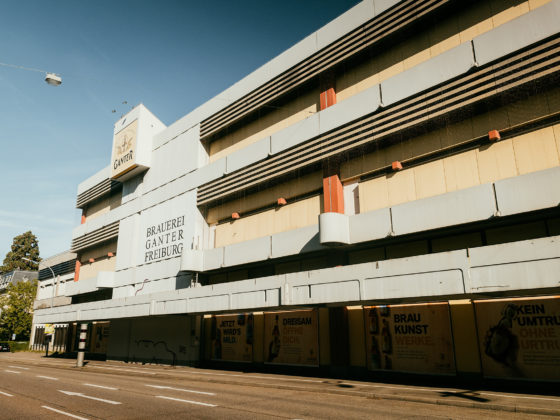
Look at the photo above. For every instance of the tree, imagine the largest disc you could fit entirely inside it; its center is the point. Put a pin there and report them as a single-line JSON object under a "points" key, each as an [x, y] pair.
{"points": [[24, 245], [17, 310]]}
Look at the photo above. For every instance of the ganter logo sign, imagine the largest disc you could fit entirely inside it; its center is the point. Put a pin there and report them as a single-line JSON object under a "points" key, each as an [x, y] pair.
{"points": [[124, 150], [164, 240]]}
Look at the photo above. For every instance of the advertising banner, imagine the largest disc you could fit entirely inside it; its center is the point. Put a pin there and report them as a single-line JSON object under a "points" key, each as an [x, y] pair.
{"points": [[409, 338], [520, 338], [292, 338], [232, 337]]}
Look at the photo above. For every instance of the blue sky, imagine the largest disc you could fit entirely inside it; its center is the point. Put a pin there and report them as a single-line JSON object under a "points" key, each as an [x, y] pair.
{"points": [[170, 55]]}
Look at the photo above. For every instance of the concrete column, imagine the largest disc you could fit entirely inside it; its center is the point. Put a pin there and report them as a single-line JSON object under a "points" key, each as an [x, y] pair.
{"points": [[82, 344]]}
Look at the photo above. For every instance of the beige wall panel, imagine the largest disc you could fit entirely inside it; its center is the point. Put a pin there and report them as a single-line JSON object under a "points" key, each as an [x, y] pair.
{"points": [[98, 252], [401, 187], [450, 243], [496, 161], [287, 190], [446, 44], [509, 13], [299, 214], [103, 206], [300, 108], [355, 79], [97, 209], [535, 151], [470, 32], [556, 130], [374, 194], [516, 233], [292, 216], [90, 270], [461, 171], [429, 179], [416, 51], [407, 249], [366, 255]]}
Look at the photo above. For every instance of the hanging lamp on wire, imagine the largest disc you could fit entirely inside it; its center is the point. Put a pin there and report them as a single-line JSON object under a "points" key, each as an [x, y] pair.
{"points": [[52, 79]]}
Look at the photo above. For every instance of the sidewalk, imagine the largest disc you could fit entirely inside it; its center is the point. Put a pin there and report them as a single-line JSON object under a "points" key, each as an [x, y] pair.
{"points": [[488, 398]]}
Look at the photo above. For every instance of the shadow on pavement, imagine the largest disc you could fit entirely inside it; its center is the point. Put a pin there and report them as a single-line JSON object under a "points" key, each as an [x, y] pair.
{"points": [[469, 395]]}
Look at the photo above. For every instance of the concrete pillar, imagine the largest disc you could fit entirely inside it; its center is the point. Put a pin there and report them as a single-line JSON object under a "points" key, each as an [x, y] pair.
{"points": [[82, 344]]}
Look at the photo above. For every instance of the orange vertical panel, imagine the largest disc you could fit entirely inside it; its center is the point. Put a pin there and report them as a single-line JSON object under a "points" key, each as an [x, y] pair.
{"points": [[327, 98], [77, 270], [333, 195]]}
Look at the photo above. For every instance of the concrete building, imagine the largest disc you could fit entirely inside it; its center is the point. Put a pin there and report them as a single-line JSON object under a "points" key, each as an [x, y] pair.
{"points": [[13, 277], [383, 196], [54, 273]]}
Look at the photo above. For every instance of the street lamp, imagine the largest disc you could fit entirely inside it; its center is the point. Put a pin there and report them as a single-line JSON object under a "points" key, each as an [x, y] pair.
{"points": [[53, 277], [52, 79]]}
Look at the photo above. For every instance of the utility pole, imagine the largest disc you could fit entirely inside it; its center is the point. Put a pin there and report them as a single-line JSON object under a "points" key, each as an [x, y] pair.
{"points": [[82, 344]]}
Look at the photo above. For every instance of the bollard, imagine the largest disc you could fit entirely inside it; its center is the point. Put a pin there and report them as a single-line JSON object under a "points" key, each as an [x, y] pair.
{"points": [[82, 345]]}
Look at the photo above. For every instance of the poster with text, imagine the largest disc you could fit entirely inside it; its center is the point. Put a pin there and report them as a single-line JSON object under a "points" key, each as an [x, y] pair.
{"points": [[232, 337], [292, 338], [520, 338], [409, 338]]}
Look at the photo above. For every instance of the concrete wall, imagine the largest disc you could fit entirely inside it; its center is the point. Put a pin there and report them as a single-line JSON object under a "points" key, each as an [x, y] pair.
{"points": [[155, 340], [504, 268]]}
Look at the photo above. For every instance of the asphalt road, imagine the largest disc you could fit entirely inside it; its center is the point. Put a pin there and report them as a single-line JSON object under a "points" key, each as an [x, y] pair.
{"points": [[34, 387]]}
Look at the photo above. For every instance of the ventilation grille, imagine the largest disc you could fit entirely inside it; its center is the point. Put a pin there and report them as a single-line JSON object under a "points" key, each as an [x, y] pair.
{"points": [[359, 39], [96, 237], [103, 188], [59, 269], [480, 85]]}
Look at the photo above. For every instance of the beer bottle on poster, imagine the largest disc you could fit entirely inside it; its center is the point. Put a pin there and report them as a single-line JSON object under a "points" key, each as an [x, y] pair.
{"points": [[386, 336], [373, 321]]}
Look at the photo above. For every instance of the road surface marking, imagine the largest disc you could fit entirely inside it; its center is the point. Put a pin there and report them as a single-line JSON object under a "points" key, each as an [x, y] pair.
{"points": [[11, 371], [47, 377], [6, 394], [254, 376], [18, 367], [186, 401], [180, 389], [64, 413], [104, 387], [79, 394], [519, 396], [124, 370]]}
